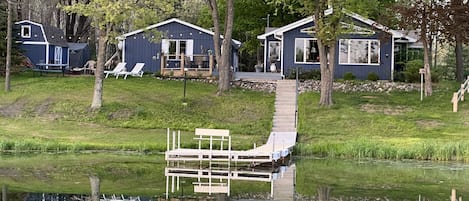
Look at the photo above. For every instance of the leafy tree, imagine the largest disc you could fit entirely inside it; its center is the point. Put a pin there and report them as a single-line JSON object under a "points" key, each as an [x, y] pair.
{"points": [[456, 30], [108, 16], [421, 15], [328, 29]]}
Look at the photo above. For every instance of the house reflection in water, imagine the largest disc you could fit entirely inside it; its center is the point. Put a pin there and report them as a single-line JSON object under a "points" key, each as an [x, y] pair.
{"points": [[213, 170]]}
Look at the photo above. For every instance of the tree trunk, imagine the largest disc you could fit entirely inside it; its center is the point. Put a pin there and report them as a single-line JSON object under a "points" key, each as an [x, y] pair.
{"points": [[99, 73], [327, 73], [95, 187], [5, 193], [216, 26], [459, 59], [9, 41], [326, 57], [224, 65], [426, 63]]}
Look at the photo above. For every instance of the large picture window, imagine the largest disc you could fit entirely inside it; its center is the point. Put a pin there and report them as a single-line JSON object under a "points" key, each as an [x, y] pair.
{"points": [[358, 51], [306, 50], [174, 48]]}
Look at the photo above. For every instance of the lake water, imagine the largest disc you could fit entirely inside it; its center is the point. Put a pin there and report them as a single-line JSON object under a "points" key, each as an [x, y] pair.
{"points": [[65, 177]]}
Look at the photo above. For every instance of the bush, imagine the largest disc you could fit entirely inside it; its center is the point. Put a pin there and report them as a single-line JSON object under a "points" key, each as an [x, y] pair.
{"points": [[349, 76], [373, 76], [411, 70]]}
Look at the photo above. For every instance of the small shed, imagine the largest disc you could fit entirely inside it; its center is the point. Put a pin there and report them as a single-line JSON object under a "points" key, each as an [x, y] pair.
{"points": [[79, 54], [41, 43]]}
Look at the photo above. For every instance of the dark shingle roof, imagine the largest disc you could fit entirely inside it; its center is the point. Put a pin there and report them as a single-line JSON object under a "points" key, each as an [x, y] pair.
{"points": [[55, 36]]}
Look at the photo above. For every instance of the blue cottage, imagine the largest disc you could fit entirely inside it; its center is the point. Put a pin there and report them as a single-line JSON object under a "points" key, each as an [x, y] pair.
{"points": [[368, 48], [181, 46], [42, 44]]}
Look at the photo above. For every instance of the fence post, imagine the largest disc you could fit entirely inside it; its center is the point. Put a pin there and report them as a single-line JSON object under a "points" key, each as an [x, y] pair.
{"points": [[455, 102], [462, 92], [467, 84]]}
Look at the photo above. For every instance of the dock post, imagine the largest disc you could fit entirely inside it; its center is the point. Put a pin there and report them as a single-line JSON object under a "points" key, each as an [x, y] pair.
{"points": [[167, 139], [174, 140], [179, 139], [167, 185]]}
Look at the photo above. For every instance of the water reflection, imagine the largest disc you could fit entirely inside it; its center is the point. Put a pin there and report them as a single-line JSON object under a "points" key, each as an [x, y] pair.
{"points": [[66, 177]]}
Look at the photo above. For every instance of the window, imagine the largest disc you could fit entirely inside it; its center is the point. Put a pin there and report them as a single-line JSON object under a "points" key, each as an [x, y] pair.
{"points": [[58, 55], [306, 50], [274, 51], [358, 51], [174, 48], [26, 31]]}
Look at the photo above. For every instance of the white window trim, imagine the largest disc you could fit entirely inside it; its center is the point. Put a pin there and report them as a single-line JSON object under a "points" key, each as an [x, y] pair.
{"points": [[189, 48], [304, 52], [23, 34], [369, 52]]}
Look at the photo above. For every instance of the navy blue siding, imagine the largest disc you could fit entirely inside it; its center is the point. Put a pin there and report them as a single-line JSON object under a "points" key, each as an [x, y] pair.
{"points": [[36, 33], [36, 53], [360, 71], [139, 49]]}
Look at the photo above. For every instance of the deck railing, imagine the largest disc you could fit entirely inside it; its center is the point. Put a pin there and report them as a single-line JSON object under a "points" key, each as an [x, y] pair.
{"points": [[192, 65], [459, 96]]}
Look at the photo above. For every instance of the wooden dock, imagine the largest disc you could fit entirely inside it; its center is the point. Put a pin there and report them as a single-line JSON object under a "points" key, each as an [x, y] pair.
{"points": [[217, 175]]}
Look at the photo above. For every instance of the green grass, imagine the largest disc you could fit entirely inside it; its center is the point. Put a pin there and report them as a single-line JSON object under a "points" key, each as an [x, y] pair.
{"points": [[386, 126], [51, 114]]}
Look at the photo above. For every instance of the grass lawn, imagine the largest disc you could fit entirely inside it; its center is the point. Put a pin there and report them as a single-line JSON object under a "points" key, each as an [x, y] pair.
{"points": [[51, 113], [380, 125]]}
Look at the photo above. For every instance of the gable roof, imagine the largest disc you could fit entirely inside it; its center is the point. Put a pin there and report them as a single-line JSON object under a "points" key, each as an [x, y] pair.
{"points": [[279, 32], [236, 42], [51, 35]]}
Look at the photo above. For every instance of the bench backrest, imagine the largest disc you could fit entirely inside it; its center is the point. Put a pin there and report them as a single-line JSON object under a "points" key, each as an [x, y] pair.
{"points": [[212, 132]]}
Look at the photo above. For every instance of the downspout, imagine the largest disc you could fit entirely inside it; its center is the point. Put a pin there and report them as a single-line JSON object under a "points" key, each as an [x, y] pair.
{"points": [[47, 53], [123, 50], [392, 58]]}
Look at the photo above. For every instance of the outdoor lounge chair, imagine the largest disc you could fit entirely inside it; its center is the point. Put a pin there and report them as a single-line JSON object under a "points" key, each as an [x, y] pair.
{"points": [[136, 71], [119, 68]]}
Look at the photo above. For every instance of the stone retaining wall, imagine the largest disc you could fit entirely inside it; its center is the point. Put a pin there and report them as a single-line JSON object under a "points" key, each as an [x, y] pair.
{"points": [[348, 86]]}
